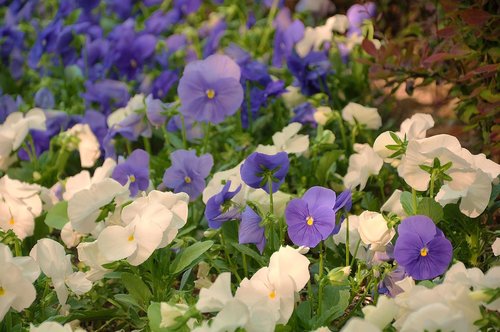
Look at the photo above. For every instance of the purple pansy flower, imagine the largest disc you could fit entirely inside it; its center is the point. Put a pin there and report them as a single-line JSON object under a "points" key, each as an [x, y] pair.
{"points": [[311, 218], [388, 286], [210, 89], [422, 249], [287, 34], [310, 71], [220, 209], [188, 172], [304, 113], [107, 94], [357, 14], [163, 83], [258, 167], [193, 129], [44, 98], [135, 169], [250, 230]]}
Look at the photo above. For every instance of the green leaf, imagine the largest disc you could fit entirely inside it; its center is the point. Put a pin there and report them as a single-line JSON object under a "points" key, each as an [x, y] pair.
{"points": [[136, 287], [249, 252], [406, 202], [57, 216], [154, 316], [370, 202], [431, 209], [188, 256], [303, 313], [335, 302], [325, 164]]}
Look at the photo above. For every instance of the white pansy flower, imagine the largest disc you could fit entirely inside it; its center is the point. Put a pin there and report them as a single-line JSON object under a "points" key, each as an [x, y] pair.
{"points": [[393, 204], [322, 115], [357, 324], [54, 327], [435, 317], [135, 104], [381, 314], [17, 126], [83, 180], [90, 255], [16, 277], [20, 204], [496, 247], [289, 141], [373, 230], [364, 163], [368, 116], [215, 297], [88, 145], [293, 97], [55, 264], [314, 38]]}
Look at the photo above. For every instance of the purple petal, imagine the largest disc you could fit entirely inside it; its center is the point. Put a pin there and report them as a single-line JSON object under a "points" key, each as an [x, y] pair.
{"points": [[320, 196]]}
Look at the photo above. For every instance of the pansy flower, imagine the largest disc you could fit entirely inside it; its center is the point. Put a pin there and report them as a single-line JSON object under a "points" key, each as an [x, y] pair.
{"points": [[422, 249], [259, 167], [311, 218], [250, 230], [188, 172], [310, 71], [210, 89], [135, 169], [220, 208]]}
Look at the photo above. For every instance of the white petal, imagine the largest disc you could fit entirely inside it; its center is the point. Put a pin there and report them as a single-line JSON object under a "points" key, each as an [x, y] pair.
{"points": [[117, 242], [215, 297]]}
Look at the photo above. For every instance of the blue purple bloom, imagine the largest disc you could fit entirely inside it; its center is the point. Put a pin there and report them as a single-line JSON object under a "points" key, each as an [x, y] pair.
{"points": [[135, 169], [357, 14], [310, 71], [210, 89], [422, 249], [250, 230], [311, 218], [259, 168], [220, 209], [188, 172]]}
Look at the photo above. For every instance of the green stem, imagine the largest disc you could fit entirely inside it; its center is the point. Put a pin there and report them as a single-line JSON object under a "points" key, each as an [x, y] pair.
{"points": [[245, 266], [147, 145], [431, 190], [347, 243], [183, 132], [342, 130], [228, 257], [414, 200], [355, 253], [267, 31], [206, 138]]}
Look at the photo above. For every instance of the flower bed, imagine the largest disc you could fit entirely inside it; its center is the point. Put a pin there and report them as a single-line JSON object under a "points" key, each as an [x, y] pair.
{"points": [[219, 165]]}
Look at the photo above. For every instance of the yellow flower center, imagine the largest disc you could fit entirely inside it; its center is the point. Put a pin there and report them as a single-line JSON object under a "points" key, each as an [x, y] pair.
{"points": [[2, 291], [187, 179], [132, 178], [424, 251], [131, 237], [133, 63], [310, 220], [210, 93], [11, 221], [272, 295]]}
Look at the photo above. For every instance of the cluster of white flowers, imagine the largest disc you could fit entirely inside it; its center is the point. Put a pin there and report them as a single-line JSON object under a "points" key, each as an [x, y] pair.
{"points": [[261, 302], [14, 130], [468, 177], [453, 305]]}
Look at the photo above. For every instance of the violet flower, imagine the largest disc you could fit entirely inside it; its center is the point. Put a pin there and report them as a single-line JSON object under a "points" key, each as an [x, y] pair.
{"points": [[310, 71], [422, 249], [250, 230], [188, 172], [357, 14], [210, 90], [287, 34], [44, 98], [259, 168], [220, 209], [135, 169], [311, 218], [304, 113]]}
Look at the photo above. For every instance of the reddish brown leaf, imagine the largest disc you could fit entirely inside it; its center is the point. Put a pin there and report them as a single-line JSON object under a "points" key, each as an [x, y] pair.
{"points": [[369, 47], [438, 57], [474, 16], [447, 32], [486, 69]]}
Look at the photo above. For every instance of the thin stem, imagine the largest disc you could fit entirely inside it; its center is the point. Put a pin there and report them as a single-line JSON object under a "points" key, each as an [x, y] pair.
{"points": [[342, 130], [267, 31], [245, 266], [431, 190], [347, 243], [147, 145], [206, 138], [183, 132], [228, 257]]}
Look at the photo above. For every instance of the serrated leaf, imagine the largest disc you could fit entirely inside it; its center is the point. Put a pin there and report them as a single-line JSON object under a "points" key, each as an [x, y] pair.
{"points": [[188, 256], [430, 208], [57, 216], [136, 287]]}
